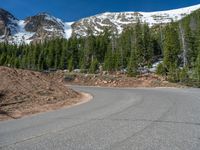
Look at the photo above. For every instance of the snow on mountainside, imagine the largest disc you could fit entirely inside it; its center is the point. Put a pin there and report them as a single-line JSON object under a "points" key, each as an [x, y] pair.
{"points": [[34, 29], [44, 26], [8, 24], [68, 29], [22, 36], [119, 20]]}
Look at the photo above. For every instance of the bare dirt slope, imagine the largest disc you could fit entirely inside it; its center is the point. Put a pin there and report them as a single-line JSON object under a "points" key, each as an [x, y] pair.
{"points": [[26, 92], [118, 80]]}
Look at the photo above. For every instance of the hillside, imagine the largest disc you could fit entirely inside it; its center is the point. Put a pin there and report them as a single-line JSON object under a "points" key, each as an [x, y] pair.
{"points": [[120, 20], [44, 26], [27, 92]]}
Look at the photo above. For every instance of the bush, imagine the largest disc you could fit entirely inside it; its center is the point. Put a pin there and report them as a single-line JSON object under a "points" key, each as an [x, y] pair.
{"points": [[192, 83], [173, 74], [183, 75], [161, 70]]}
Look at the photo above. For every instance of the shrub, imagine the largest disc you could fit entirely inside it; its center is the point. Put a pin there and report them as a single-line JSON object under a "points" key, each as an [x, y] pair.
{"points": [[161, 70]]}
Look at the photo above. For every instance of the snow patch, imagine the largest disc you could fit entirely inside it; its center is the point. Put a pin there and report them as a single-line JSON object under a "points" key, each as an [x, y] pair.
{"points": [[22, 36], [155, 65], [67, 29]]}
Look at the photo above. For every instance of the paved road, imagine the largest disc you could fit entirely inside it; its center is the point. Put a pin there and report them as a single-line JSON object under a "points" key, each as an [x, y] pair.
{"points": [[116, 119]]}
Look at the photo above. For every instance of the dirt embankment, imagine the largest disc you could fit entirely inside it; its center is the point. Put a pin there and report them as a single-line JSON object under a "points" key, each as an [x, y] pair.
{"points": [[118, 80], [25, 92]]}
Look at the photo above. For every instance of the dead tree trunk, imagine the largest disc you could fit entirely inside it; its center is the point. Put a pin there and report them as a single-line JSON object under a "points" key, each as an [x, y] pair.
{"points": [[182, 35]]}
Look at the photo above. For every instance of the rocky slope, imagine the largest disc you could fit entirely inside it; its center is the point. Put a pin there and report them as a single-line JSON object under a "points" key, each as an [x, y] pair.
{"points": [[33, 29], [8, 24], [118, 21], [44, 26]]}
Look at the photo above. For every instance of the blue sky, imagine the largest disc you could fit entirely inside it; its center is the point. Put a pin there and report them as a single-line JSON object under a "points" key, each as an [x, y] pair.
{"points": [[72, 10]]}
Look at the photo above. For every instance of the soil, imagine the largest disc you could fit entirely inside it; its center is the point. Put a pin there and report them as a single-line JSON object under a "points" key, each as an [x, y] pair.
{"points": [[24, 92], [118, 80]]}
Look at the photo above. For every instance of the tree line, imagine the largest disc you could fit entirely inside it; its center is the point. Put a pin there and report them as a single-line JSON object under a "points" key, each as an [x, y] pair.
{"points": [[112, 52]]}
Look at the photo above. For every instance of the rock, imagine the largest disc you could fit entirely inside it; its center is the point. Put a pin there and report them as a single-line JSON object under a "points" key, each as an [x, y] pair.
{"points": [[8, 24], [105, 82], [76, 80], [44, 27], [104, 72], [165, 82]]}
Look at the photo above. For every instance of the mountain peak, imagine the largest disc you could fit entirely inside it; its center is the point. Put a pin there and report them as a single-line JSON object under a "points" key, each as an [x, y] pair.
{"points": [[44, 26], [8, 24], [44, 14], [4, 14]]}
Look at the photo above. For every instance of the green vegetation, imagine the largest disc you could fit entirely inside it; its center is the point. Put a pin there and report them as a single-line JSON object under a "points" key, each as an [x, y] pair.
{"points": [[138, 46]]}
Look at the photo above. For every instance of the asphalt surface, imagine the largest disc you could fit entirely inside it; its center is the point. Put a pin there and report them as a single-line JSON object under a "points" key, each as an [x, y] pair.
{"points": [[115, 119]]}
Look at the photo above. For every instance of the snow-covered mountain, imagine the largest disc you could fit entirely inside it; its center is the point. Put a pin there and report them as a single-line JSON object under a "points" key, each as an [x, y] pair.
{"points": [[118, 21], [33, 29], [44, 26], [39, 28]]}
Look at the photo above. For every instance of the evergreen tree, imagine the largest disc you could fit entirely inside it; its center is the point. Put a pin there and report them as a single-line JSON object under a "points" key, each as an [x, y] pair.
{"points": [[171, 47], [93, 66], [148, 46], [108, 62], [160, 70], [138, 44], [197, 67], [184, 77], [133, 65], [70, 64]]}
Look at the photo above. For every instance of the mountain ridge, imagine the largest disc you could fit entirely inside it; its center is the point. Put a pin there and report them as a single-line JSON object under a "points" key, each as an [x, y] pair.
{"points": [[44, 26]]}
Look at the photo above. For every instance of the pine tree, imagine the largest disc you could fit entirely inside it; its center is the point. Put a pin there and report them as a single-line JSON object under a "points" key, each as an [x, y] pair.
{"points": [[184, 77], [108, 62], [197, 67], [70, 64], [148, 46], [133, 65], [138, 44], [117, 60], [93, 66], [189, 43], [171, 47], [63, 58], [74, 49]]}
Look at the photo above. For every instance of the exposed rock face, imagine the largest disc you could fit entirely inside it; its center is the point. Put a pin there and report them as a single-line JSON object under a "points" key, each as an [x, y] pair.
{"points": [[8, 24], [33, 29], [114, 21], [118, 21], [44, 27]]}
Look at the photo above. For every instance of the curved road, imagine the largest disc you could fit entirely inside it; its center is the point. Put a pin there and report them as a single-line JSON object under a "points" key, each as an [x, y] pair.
{"points": [[116, 119]]}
